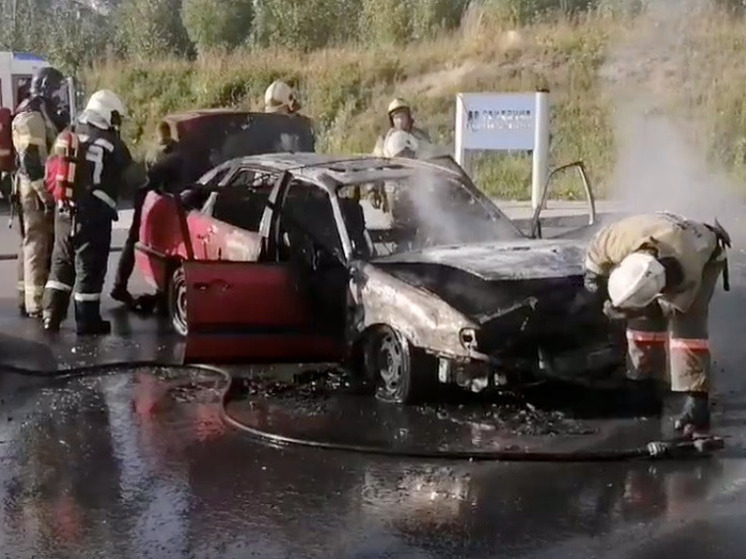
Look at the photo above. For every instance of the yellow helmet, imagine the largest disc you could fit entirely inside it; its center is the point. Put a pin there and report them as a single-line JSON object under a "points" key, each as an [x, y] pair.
{"points": [[398, 104]]}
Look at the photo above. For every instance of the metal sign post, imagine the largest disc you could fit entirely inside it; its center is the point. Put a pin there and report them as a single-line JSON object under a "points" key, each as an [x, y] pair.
{"points": [[506, 122]]}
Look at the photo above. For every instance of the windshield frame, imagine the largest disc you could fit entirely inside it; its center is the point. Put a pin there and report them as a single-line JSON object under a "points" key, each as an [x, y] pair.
{"points": [[492, 210]]}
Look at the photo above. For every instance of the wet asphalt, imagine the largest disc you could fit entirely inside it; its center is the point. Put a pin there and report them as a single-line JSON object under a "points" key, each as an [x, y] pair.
{"points": [[138, 463]]}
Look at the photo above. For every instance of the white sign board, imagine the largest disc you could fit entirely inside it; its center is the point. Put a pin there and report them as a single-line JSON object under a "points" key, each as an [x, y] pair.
{"points": [[497, 121], [506, 122]]}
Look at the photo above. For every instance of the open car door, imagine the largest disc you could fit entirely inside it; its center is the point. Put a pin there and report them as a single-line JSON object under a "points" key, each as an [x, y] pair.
{"points": [[251, 311], [568, 176]]}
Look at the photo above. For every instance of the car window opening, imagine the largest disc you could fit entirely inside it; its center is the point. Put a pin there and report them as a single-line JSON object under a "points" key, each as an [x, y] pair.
{"points": [[418, 212]]}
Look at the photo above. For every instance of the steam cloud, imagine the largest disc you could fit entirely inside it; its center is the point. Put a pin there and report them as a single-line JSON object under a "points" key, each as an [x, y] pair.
{"points": [[658, 166]]}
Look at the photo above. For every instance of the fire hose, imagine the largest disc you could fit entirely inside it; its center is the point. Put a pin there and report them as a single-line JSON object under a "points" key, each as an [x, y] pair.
{"points": [[663, 449]]}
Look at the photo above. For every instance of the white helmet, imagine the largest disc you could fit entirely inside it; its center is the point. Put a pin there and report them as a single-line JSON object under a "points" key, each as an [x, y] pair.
{"points": [[280, 95], [636, 281], [104, 110], [400, 144]]}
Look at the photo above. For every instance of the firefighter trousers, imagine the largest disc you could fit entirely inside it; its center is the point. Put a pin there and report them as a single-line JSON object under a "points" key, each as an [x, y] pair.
{"points": [[36, 227], [675, 350], [79, 262]]}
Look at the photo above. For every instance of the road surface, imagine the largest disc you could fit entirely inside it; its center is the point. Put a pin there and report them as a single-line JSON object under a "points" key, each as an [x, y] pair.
{"points": [[139, 465]]}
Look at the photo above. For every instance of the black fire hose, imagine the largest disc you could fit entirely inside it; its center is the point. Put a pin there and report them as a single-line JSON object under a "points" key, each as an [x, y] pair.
{"points": [[652, 450]]}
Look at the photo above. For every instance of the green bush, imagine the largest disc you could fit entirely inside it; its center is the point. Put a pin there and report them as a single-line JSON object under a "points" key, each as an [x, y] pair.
{"points": [[148, 28], [305, 24], [385, 22], [218, 23]]}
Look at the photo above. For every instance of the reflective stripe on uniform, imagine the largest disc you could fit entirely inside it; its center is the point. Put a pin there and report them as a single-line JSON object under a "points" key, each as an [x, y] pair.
{"points": [[690, 344], [647, 337], [105, 198], [51, 284], [20, 286], [87, 297]]}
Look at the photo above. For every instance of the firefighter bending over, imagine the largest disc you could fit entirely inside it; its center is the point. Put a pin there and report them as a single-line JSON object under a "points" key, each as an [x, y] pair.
{"points": [[660, 272], [37, 122], [86, 206]]}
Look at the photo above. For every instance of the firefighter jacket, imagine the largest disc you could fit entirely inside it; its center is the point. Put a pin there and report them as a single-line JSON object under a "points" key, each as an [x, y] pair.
{"points": [[691, 243], [33, 135], [104, 160], [419, 134]]}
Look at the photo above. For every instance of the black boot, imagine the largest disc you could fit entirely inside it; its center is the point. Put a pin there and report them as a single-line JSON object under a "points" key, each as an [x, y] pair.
{"points": [[643, 397], [56, 302], [695, 416], [120, 293], [88, 319]]}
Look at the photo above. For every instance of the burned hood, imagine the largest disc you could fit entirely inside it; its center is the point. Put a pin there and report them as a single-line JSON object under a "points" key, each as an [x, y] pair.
{"points": [[523, 260]]}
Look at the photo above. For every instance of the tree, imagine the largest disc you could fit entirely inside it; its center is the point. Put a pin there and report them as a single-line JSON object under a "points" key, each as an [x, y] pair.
{"points": [[218, 23], [151, 28]]}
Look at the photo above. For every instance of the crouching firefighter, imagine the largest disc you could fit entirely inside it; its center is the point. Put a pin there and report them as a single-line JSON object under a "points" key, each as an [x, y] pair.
{"points": [[90, 169], [659, 272]]}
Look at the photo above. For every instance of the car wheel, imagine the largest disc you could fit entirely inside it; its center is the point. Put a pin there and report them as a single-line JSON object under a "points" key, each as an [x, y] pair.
{"points": [[177, 301], [392, 365]]}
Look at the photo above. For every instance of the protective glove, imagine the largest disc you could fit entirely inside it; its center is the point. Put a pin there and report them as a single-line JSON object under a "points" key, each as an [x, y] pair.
{"points": [[613, 313]]}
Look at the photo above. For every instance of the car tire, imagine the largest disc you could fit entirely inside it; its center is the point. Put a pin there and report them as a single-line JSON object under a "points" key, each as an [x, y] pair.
{"points": [[397, 371], [177, 304]]}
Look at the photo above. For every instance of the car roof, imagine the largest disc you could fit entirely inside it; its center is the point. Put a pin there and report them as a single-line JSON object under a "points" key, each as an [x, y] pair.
{"points": [[333, 171]]}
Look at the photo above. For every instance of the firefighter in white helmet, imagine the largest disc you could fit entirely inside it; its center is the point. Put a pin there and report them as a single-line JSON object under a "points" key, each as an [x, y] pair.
{"points": [[400, 119], [281, 98], [659, 272], [83, 221]]}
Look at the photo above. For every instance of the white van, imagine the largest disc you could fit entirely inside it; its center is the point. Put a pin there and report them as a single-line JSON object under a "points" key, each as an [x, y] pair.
{"points": [[16, 69]]}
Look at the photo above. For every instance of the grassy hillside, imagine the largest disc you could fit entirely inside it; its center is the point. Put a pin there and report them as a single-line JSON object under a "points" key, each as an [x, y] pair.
{"points": [[347, 89]]}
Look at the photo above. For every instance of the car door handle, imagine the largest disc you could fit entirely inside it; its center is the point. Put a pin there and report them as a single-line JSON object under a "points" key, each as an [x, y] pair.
{"points": [[217, 284]]}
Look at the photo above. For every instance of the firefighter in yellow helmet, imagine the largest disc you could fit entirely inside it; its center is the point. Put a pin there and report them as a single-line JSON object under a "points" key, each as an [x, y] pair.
{"points": [[400, 119], [35, 126], [659, 272]]}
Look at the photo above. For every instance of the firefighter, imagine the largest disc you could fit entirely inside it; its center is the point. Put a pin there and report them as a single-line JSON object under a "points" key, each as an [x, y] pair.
{"points": [[400, 119], [37, 122], [168, 174], [83, 221], [659, 272], [165, 144], [401, 144], [281, 98]]}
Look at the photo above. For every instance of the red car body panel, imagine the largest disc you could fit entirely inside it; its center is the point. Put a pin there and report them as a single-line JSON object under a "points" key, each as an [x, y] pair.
{"points": [[239, 308]]}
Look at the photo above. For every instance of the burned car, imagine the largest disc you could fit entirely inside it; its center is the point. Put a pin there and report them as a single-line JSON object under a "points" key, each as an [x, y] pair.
{"points": [[400, 268]]}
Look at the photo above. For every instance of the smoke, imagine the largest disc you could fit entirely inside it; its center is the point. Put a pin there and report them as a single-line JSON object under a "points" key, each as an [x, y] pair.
{"points": [[659, 164]]}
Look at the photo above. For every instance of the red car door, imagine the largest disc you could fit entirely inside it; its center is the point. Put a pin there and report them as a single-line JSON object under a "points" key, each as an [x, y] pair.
{"points": [[244, 310], [251, 311]]}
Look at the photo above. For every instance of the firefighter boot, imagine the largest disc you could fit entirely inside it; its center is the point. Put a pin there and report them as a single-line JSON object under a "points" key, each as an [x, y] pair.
{"points": [[643, 397], [695, 416], [120, 293], [56, 302], [88, 319]]}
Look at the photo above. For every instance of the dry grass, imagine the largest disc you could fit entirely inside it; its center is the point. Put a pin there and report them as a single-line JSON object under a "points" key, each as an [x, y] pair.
{"points": [[346, 89]]}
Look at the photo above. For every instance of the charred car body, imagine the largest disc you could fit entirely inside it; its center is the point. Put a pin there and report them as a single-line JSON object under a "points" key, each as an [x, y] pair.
{"points": [[402, 268]]}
